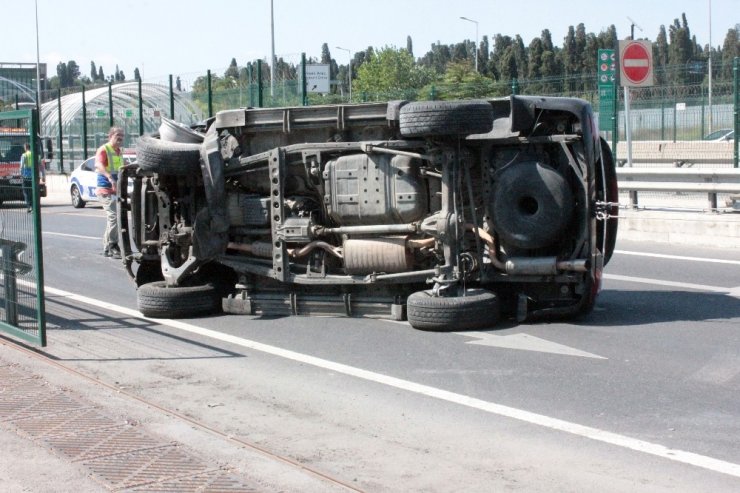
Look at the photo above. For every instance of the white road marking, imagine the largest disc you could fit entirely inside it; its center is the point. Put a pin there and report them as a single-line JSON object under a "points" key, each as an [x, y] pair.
{"points": [[675, 455], [72, 236], [525, 342], [678, 257], [735, 292]]}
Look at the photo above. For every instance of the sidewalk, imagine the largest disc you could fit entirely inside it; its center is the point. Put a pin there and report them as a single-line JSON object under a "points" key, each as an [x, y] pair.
{"points": [[61, 431]]}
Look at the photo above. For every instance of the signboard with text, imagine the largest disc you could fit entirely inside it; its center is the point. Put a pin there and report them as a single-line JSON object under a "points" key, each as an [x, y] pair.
{"points": [[607, 81], [317, 77]]}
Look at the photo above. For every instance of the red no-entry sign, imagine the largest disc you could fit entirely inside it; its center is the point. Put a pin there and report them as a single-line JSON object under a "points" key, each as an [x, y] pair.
{"points": [[636, 63]]}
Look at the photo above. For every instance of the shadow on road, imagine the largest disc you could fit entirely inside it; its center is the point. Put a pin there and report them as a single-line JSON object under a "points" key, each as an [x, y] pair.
{"points": [[630, 307]]}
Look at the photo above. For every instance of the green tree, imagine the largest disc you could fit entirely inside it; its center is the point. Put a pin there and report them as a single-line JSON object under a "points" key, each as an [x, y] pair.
{"points": [[680, 50], [137, 74], [660, 56], [389, 73], [93, 72], [233, 71], [730, 51], [483, 56], [409, 46], [437, 58], [461, 81]]}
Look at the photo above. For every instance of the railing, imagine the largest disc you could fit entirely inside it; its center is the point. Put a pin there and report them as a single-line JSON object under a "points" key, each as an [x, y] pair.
{"points": [[681, 180]]}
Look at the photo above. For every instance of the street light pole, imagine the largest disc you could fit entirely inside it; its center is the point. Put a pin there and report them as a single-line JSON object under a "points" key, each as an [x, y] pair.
{"points": [[476, 39], [272, 60], [710, 67], [38, 64], [349, 54]]}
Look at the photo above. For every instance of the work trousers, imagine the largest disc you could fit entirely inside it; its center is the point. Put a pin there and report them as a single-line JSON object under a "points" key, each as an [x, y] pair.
{"points": [[110, 236]]}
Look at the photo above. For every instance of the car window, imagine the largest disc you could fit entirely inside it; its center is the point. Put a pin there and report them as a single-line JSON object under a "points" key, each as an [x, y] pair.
{"points": [[717, 134], [89, 165]]}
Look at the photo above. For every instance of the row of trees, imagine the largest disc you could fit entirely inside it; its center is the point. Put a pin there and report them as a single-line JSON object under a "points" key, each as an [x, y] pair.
{"points": [[679, 60], [69, 75]]}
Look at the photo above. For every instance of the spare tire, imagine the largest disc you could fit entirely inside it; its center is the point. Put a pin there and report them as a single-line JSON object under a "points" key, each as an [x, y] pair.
{"points": [[476, 310], [435, 118], [532, 205], [167, 158], [158, 300]]}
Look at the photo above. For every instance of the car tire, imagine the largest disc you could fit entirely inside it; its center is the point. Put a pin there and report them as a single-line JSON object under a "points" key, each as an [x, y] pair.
{"points": [[76, 196], [478, 309], [157, 300], [167, 158], [435, 118]]}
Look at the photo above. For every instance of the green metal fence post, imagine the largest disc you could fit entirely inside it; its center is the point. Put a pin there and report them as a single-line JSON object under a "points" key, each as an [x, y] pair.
{"points": [[259, 83], [662, 116], [110, 103], [615, 121], [35, 128], [61, 132], [141, 111], [702, 113], [249, 86], [304, 93], [210, 94], [736, 110], [84, 125], [675, 116], [514, 87], [172, 100]]}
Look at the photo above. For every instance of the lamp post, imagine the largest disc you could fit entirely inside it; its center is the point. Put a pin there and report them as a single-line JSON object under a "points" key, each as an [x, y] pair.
{"points": [[710, 67], [476, 39], [349, 54], [38, 63]]}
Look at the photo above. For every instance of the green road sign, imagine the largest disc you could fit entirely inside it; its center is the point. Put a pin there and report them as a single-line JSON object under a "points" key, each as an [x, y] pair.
{"points": [[100, 113], [607, 75]]}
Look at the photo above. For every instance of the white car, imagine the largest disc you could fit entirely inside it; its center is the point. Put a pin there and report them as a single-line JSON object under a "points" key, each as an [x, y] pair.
{"points": [[722, 135], [84, 181]]}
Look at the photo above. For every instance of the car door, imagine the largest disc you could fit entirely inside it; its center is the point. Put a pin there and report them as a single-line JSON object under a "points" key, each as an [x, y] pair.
{"points": [[87, 179]]}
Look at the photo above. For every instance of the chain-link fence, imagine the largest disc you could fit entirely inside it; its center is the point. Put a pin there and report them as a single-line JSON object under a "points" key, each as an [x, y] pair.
{"points": [[21, 259]]}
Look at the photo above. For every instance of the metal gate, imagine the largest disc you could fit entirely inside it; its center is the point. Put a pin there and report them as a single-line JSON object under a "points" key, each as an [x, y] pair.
{"points": [[22, 311]]}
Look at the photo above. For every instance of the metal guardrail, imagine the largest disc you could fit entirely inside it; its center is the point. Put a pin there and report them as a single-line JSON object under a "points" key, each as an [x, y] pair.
{"points": [[709, 181]]}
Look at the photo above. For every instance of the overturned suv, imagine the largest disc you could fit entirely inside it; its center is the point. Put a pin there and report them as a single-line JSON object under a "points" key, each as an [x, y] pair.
{"points": [[448, 213]]}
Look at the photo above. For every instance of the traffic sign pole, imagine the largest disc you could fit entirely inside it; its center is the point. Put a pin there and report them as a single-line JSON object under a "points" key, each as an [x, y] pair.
{"points": [[635, 70]]}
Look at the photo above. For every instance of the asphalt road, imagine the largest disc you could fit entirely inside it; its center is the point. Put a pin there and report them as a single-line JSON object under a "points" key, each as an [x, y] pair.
{"points": [[643, 395]]}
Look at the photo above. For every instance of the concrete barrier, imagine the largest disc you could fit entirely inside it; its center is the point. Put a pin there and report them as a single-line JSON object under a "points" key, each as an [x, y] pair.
{"points": [[677, 154]]}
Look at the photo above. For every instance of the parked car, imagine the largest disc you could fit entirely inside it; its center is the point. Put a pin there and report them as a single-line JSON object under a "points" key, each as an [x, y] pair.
{"points": [[84, 180], [447, 213], [721, 135]]}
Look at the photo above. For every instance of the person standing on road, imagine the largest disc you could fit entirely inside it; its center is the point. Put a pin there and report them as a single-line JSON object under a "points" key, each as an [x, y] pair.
{"points": [[108, 162], [27, 175]]}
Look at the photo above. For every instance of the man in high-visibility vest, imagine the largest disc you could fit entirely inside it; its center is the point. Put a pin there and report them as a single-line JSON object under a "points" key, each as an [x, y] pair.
{"points": [[108, 161], [27, 175]]}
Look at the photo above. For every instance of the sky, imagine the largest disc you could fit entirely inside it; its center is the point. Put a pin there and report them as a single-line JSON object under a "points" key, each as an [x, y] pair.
{"points": [[181, 37]]}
